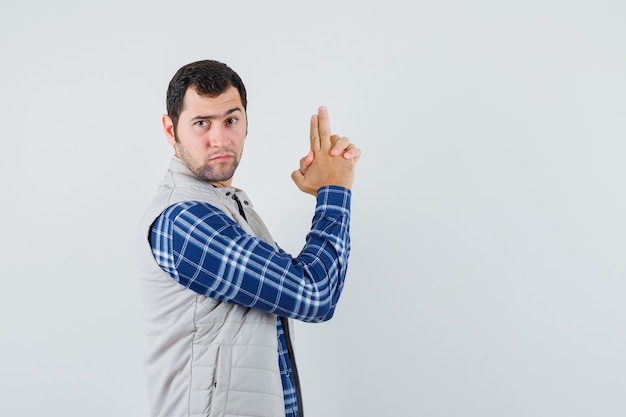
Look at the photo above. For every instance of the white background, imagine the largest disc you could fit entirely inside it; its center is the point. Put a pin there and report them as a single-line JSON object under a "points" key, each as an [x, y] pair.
{"points": [[488, 274]]}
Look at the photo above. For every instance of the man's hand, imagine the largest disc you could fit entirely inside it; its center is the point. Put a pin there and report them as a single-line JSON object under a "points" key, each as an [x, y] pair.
{"points": [[331, 160]]}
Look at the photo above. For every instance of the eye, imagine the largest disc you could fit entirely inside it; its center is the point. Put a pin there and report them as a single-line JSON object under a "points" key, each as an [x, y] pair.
{"points": [[232, 121], [201, 123]]}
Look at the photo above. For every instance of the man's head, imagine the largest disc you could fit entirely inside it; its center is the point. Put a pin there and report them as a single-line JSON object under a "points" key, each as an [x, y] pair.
{"points": [[206, 121], [209, 78]]}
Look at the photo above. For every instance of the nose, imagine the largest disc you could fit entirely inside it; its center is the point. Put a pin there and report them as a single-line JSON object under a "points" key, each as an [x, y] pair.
{"points": [[218, 136]]}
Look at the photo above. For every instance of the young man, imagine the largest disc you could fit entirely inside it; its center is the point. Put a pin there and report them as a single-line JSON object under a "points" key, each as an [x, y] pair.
{"points": [[218, 290]]}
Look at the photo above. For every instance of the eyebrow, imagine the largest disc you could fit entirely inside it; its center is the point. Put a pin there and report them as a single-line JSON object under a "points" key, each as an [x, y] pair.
{"points": [[218, 116]]}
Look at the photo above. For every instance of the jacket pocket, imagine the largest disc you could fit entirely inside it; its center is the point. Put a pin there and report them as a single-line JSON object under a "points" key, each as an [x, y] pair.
{"points": [[210, 380], [220, 381]]}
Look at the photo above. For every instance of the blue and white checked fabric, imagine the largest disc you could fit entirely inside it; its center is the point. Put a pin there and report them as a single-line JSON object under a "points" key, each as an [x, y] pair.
{"points": [[206, 251]]}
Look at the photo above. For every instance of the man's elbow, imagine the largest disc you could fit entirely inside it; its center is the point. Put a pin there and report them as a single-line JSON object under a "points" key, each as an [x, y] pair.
{"points": [[324, 312]]}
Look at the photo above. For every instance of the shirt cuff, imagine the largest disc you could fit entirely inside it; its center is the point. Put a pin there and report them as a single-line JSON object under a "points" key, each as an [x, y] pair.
{"points": [[334, 198]]}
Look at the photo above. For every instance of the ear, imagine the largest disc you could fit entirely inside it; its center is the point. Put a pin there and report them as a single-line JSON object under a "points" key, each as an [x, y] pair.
{"points": [[168, 128]]}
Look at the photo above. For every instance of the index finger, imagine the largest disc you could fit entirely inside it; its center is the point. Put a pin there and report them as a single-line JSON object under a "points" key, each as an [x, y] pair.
{"points": [[315, 134], [323, 127]]}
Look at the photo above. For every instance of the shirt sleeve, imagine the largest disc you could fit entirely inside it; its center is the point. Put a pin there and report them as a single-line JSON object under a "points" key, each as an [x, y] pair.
{"points": [[206, 251]]}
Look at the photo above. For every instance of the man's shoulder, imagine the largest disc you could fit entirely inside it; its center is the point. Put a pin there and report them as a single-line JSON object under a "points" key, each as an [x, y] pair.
{"points": [[196, 208]]}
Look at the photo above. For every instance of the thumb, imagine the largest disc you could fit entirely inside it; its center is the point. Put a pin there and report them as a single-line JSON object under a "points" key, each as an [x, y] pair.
{"points": [[297, 177], [306, 161]]}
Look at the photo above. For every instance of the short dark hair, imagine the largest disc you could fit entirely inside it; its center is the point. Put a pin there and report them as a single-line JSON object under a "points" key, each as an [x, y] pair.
{"points": [[208, 77]]}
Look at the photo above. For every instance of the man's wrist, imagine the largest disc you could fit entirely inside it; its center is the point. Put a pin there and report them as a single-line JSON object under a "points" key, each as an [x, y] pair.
{"points": [[334, 197]]}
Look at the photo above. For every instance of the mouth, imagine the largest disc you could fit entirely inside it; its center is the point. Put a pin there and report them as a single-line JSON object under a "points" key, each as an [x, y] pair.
{"points": [[221, 157]]}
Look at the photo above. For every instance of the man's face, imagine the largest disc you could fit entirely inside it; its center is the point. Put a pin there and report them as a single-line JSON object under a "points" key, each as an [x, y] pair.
{"points": [[210, 135]]}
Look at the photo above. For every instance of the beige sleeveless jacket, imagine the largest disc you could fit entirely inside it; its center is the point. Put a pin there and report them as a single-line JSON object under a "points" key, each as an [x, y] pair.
{"points": [[205, 357]]}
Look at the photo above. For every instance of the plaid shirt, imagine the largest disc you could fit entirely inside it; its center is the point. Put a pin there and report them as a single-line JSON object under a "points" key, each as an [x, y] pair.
{"points": [[203, 249]]}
